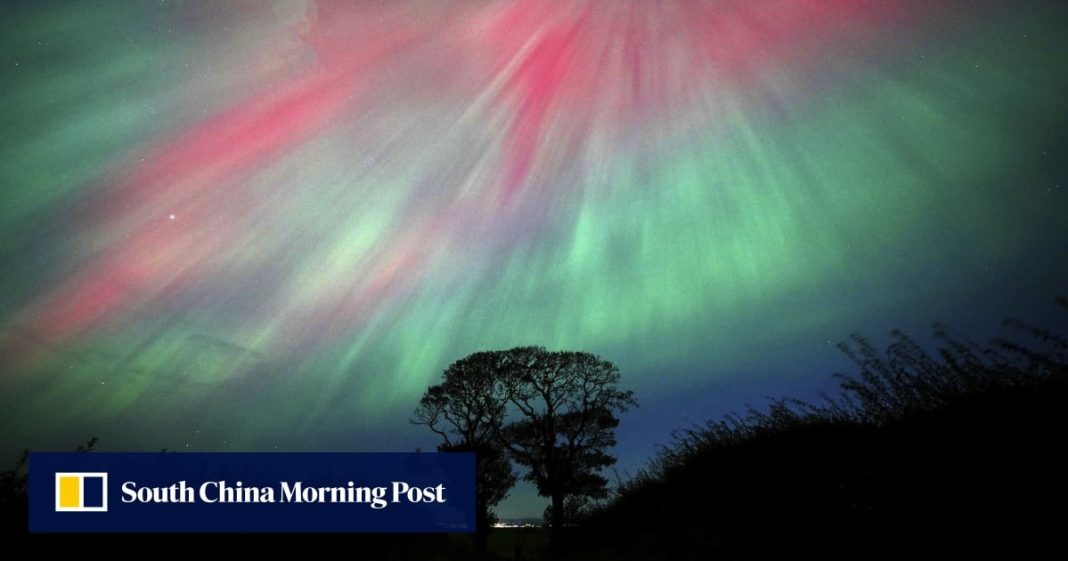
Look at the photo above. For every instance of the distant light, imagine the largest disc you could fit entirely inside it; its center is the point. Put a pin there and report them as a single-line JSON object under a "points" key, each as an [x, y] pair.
{"points": [[171, 217], [517, 524]]}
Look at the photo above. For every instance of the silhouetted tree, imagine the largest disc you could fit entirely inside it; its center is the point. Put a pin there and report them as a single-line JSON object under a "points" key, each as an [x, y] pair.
{"points": [[567, 404], [578, 506], [467, 411], [564, 406]]}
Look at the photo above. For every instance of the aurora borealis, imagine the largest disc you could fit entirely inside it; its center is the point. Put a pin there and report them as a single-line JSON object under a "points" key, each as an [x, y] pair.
{"points": [[256, 225]]}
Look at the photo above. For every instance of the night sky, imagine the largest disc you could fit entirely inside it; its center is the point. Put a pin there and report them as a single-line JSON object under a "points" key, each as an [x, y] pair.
{"points": [[269, 226]]}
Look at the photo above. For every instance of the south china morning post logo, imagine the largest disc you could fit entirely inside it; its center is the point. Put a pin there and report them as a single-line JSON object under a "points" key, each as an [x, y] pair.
{"points": [[81, 492], [252, 492], [224, 492]]}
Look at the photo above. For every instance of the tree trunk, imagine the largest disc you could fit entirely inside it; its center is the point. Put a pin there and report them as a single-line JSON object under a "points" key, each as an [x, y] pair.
{"points": [[481, 531], [556, 527]]}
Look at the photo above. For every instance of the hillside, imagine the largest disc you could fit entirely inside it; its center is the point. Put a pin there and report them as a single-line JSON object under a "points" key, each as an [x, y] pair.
{"points": [[949, 452]]}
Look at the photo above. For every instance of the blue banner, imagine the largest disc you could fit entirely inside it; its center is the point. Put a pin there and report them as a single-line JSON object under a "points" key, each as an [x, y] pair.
{"points": [[252, 492]]}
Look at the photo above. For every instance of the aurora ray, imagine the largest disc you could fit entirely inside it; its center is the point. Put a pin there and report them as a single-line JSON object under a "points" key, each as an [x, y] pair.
{"points": [[240, 224]]}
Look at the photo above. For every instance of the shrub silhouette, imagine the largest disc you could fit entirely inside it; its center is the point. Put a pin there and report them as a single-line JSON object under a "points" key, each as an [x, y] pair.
{"points": [[14, 505]]}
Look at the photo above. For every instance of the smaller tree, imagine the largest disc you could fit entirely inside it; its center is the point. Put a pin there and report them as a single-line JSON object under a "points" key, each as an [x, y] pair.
{"points": [[567, 404], [467, 410]]}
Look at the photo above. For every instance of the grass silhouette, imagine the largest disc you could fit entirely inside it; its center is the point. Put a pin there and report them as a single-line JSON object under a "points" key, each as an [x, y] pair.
{"points": [[945, 452]]}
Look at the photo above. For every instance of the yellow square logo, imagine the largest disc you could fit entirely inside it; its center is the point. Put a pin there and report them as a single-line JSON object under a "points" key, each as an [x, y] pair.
{"points": [[81, 492]]}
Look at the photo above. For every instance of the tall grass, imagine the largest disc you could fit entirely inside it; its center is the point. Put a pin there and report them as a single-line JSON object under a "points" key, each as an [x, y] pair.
{"points": [[919, 439]]}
